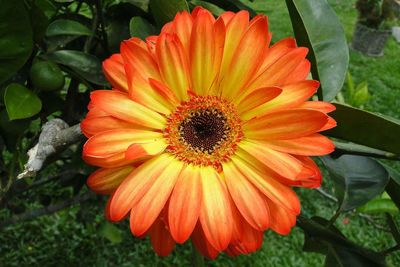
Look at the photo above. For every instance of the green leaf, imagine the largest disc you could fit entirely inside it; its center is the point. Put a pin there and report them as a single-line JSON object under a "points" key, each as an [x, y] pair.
{"points": [[379, 205], [393, 228], [317, 27], [15, 37], [47, 6], [209, 6], [366, 128], [139, 27], [361, 95], [67, 27], [86, 65], [357, 179], [233, 5], [39, 23], [20, 102], [111, 232], [332, 243], [164, 11], [356, 149]]}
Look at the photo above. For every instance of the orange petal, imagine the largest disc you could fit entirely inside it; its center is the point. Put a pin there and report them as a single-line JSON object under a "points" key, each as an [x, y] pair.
{"points": [[202, 49], [276, 74], [215, 213], [114, 71], [105, 181], [219, 35], [173, 64], [161, 239], [185, 204], [112, 161], [312, 145], [135, 54], [246, 198], [114, 141], [282, 220], [227, 16], [322, 106], [311, 176], [285, 124], [145, 150], [331, 123], [143, 93], [93, 125], [246, 58], [292, 95], [234, 32], [135, 186], [182, 26], [255, 99], [95, 111], [153, 201], [271, 188], [164, 91], [281, 163], [119, 105], [250, 241], [200, 242], [300, 73], [275, 52]]}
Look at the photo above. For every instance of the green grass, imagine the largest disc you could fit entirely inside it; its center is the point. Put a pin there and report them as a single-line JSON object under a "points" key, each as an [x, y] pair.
{"points": [[71, 237]]}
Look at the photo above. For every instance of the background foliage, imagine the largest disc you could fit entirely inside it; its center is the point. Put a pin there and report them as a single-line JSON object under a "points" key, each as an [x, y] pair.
{"points": [[50, 60]]}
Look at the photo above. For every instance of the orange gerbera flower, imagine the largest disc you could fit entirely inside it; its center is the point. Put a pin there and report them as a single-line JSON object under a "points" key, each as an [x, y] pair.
{"points": [[206, 130]]}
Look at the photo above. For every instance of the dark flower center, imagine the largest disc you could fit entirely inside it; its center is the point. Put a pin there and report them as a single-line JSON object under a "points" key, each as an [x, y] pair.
{"points": [[204, 129]]}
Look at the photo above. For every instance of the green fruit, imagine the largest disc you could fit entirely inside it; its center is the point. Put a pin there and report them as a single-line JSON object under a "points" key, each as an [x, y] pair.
{"points": [[14, 127], [46, 76]]}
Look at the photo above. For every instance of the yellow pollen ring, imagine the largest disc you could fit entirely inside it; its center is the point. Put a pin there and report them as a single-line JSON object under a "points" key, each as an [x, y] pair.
{"points": [[204, 130]]}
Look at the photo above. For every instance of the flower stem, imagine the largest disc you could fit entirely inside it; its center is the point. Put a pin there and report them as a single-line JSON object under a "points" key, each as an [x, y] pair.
{"points": [[197, 258]]}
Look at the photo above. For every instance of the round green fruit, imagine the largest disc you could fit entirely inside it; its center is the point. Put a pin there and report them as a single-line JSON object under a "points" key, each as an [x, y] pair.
{"points": [[46, 76]]}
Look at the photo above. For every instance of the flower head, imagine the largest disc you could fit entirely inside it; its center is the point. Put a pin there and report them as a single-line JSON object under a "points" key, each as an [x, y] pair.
{"points": [[204, 133]]}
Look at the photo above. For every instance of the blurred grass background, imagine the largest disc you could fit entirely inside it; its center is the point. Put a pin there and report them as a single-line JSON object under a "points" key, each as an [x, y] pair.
{"points": [[73, 237]]}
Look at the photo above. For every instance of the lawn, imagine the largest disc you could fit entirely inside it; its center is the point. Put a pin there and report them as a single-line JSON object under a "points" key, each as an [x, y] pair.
{"points": [[72, 237]]}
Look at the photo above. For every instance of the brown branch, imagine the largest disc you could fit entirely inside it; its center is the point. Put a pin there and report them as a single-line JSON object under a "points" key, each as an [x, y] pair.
{"points": [[56, 135], [32, 214]]}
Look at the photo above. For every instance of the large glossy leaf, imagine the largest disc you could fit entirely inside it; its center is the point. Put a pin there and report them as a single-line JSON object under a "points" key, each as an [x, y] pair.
{"points": [[165, 10], [86, 65], [141, 28], [366, 128], [338, 250], [357, 179], [317, 27], [21, 102], [67, 27], [15, 37]]}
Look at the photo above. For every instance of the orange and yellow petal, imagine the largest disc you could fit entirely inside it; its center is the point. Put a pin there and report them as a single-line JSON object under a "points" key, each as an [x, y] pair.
{"points": [[136, 184], [215, 213], [285, 124], [122, 107], [185, 204], [105, 181], [247, 198], [114, 71]]}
